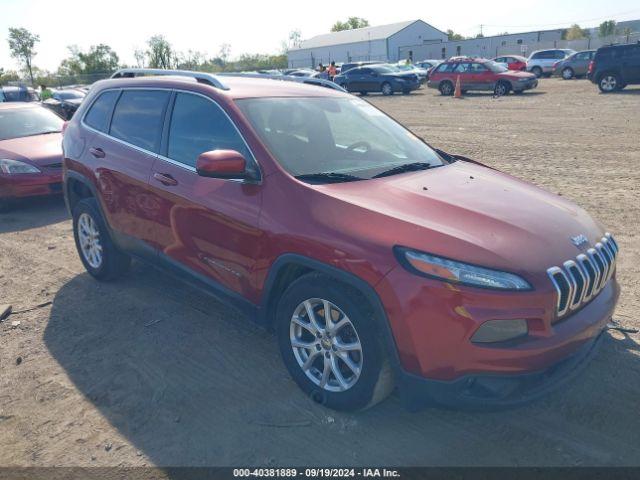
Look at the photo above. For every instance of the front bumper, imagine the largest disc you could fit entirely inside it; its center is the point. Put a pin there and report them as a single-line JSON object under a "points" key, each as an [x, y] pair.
{"points": [[432, 323], [488, 392], [30, 185], [522, 86]]}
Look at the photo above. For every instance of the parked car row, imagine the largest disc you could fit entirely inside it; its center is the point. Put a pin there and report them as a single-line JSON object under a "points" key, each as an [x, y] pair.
{"points": [[64, 102]]}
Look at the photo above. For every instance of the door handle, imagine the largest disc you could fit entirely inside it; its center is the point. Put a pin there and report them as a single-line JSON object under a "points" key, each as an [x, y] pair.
{"points": [[97, 152], [165, 179]]}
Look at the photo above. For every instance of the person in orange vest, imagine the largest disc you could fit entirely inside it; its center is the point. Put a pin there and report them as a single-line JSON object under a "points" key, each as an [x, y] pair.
{"points": [[333, 71]]}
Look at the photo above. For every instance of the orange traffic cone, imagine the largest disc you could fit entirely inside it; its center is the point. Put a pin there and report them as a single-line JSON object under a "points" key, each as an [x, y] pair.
{"points": [[458, 91]]}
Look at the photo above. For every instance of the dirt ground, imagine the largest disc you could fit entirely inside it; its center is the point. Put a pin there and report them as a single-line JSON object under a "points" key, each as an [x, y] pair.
{"points": [[148, 371]]}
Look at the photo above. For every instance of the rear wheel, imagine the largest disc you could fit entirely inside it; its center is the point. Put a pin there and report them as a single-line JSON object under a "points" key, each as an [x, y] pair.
{"points": [[537, 71], [609, 82], [446, 88], [97, 252], [568, 73], [386, 89], [329, 344]]}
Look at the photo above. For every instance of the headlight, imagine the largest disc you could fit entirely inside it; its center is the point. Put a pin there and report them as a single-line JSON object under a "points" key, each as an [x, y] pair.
{"points": [[457, 272], [14, 167]]}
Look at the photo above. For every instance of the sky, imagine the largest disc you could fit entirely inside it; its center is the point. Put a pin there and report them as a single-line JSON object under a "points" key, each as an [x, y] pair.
{"points": [[251, 26]]}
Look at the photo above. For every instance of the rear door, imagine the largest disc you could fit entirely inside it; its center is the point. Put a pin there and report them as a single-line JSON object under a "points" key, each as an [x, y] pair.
{"points": [[630, 63], [122, 153], [462, 70], [206, 226]]}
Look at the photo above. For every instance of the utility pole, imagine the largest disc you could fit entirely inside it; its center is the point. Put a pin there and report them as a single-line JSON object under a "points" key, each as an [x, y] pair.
{"points": [[481, 30]]}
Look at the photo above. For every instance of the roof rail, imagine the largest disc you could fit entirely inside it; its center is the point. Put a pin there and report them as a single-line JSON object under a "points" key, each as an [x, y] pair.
{"points": [[201, 77], [319, 82]]}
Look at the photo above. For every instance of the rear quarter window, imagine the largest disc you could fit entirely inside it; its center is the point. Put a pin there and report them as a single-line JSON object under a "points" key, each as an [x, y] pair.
{"points": [[98, 115], [138, 118]]}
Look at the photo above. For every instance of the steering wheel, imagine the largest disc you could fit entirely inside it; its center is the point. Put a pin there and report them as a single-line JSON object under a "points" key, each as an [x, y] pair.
{"points": [[364, 144]]}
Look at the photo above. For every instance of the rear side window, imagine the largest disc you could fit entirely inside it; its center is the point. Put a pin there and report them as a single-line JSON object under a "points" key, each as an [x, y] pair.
{"points": [[98, 115], [138, 117], [445, 67], [199, 125]]}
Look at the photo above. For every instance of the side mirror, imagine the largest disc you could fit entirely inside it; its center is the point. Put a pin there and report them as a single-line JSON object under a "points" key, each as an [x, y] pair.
{"points": [[221, 164]]}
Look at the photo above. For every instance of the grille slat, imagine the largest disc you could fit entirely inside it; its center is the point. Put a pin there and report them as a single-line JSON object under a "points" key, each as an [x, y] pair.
{"points": [[580, 280]]}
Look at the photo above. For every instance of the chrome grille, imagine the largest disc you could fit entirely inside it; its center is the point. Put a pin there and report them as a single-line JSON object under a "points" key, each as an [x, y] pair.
{"points": [[581, 279]]}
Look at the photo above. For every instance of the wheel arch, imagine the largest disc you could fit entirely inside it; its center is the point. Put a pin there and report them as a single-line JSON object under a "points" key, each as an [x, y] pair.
{"points": [[289, 267], [77, 187]]}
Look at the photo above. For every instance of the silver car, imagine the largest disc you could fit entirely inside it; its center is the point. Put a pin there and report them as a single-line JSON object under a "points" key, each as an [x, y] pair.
{"points": [[577, 65], [541, 62]]}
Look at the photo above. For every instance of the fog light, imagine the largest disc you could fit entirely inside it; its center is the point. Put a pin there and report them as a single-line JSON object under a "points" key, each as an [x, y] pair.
{"points": [[500, 331]]}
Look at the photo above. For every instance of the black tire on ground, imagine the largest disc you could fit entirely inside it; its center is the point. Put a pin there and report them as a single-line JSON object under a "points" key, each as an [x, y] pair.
{"points": [[446, 88], [386, 88], [568, 73], [610, 82], [364, 94], [375, 381], [537, 71], [113, 263], [464, 92], [501, 88]]}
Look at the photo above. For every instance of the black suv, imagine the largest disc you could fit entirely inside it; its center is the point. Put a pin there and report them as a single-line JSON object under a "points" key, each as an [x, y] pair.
{"points": [[616, 66]]}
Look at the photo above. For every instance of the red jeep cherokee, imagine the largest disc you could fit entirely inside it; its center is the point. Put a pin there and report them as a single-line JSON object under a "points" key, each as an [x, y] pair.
{"points": [[480, 74], [378, 260]]}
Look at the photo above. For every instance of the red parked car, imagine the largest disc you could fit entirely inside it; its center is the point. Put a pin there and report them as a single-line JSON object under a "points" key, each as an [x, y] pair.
{"points": [[513, 62], [378, 261], [30, 152], [479, 74]]}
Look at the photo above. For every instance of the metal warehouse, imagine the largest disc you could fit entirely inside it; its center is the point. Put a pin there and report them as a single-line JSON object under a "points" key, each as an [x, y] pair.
{"points": [[391, 42]]}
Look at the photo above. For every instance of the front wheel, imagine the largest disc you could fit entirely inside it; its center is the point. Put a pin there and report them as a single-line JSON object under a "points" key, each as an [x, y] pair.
{"points": [[501, 88], [97, 252], [446, 88], [328, 343], [610, 82], [387, 89]]}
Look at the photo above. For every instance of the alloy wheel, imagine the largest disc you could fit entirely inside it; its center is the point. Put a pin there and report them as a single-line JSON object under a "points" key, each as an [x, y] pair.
{"points": [[89, 237], [609, 83], [567, 74], [386, 89], [326, 345]]}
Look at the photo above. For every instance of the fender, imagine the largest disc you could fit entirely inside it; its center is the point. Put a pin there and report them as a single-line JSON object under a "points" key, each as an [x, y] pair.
{"points": [[267, 303]]}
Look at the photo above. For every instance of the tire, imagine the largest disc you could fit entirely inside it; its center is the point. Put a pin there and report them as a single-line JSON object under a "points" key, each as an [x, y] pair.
{"points": [[446, 88], [609, 82], [355, 391], [537, 71], [568, 73], [96, 249], [386, 89], [501, 89]]}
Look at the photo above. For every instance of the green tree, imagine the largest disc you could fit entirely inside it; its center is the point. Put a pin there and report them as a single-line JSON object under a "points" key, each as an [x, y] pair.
{"points": [[350, 24], [160, 53], [575, 32], [8, 76], [453, 36], [22, 44], [99, 59], [607, 28]]}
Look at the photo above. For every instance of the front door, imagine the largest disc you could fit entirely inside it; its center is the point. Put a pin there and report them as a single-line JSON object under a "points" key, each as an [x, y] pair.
{"points": [[207, 225]]}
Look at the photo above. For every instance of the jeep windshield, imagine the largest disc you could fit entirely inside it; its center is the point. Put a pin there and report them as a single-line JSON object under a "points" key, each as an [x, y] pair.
{"points": [[329, 139]]}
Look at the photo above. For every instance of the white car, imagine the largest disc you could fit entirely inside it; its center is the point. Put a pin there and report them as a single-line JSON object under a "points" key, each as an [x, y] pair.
{"points": [[541, 62]]}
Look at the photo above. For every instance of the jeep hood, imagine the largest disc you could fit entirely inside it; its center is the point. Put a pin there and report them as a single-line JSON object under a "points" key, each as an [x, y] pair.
{"points": [[470, 213]]}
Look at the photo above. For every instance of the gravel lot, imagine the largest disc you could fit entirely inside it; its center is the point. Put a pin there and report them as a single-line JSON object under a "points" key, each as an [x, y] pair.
{"points": [[147, 371]]}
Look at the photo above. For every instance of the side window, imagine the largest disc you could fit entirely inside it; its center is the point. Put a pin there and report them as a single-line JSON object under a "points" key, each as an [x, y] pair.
{"points": [[138, 117], [477, 68], [444, 67], [98, 115], [199, 125], [462, 68]]}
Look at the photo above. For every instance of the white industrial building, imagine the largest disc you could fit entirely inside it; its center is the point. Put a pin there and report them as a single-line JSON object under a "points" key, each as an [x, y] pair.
{"points": [[384, 42]]}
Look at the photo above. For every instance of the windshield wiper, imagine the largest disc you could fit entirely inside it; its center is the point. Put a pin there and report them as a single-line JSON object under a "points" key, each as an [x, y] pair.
{"points": [[328, 177], [406, 167]]}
